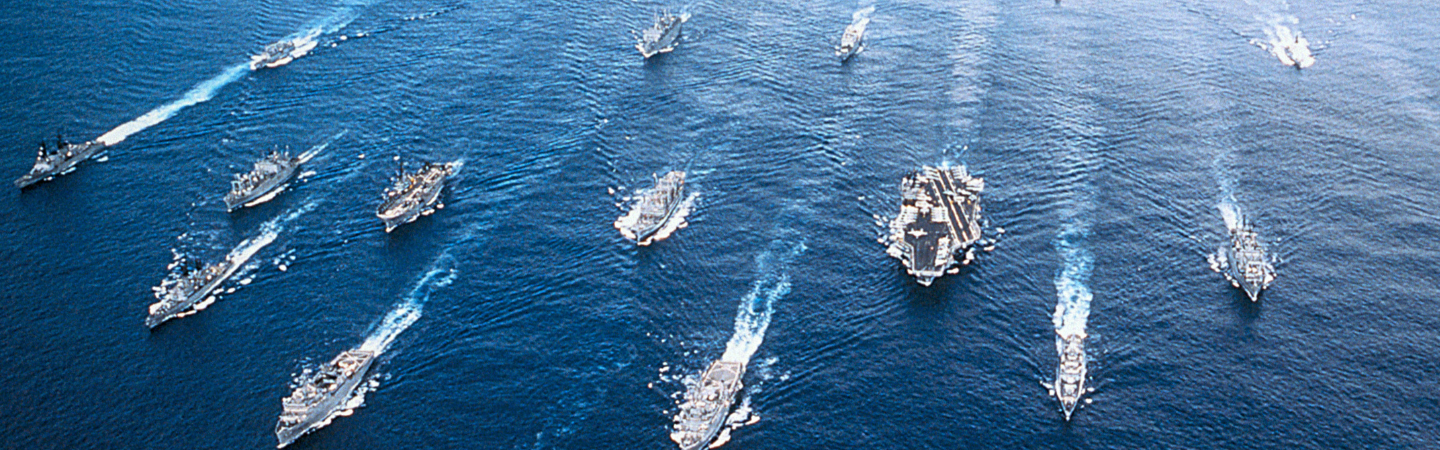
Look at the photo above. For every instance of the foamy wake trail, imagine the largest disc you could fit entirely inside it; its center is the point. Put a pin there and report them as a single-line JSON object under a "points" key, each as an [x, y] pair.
{"points": [[441, 274], [862, 14], [1286, 44], [756, 307], [200, 93], [1231, 213], [1073, 306]]}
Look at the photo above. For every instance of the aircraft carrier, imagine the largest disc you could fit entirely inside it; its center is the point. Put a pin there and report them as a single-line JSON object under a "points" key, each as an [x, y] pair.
{"points": [[415, 194], [322, 396], [653, 209], [180, 294], [1244, 263], [1070, 374], [707, 404], [59, 160], [266, 180], [662, 36], [939, 216], [850, 42]]}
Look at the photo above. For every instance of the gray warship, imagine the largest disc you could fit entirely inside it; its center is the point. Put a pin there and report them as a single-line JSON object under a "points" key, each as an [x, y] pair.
{"points": [[707, 405], [178, 295], [850, 42], [1070, 374], [653, 209], [60, 160], [281, 53], [939, 216], [415, 194], [1243, 261], [662, 36], [266, 180], [322, 396]]}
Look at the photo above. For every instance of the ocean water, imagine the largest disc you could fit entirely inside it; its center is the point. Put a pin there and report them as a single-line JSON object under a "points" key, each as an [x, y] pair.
{"points": [[518, 317]]}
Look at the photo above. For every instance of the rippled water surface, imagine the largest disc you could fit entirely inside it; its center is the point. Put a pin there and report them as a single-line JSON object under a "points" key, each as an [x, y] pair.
{"points": [[518, 317]]}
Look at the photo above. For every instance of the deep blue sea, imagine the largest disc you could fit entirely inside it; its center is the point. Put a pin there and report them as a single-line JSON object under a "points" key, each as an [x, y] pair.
{"points": [[517, 317]]}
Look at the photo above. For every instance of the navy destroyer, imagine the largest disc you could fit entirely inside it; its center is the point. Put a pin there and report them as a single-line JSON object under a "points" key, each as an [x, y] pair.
{"points": [[662, 36], [323, 396], [415, 194], [281, 53], [939, 216], [1243, 261], [266, 180], [707, 404], [1070, 374], [653, 209], [60, 160], [850, 42], [179, 295]]}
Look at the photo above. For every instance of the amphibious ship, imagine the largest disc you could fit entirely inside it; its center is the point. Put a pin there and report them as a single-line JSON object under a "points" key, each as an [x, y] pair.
{"points": [[1243, 261], [707, 404], [322, 396], [60, 160], [1070, 375], [266, 180], [177, 295], [415, 194], [281, 53], [653, 209], [850, 42], [939, 216], [662, 36]]}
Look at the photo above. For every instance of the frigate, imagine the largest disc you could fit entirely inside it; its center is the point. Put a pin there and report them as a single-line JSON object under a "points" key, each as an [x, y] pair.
{"points": [[707, 404], [281, 53], [939, 216], [1243, 261], [323, 396], [415, 194], [266, 180], [850, 42], [662, 36], [653, 209], [1070, 374], [179, 294], [60, 160]]}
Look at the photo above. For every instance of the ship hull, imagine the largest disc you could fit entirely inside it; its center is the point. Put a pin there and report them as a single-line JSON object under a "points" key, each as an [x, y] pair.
{"points": [[326, 411], [665, 44], [427, 205], [85, 151]]}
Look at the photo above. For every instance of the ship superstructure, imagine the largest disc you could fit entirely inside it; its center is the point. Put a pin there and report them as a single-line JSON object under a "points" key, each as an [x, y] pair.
{"points": [[707, 404], [851, 41], [653, 209], [322, 396], [939, 217], [58, 160], [266, 180], [178, 295], [1070, 374], [662, 36], [414, 194]]}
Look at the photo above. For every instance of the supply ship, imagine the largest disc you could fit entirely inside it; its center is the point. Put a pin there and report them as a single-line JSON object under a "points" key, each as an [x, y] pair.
{"points": [[939, 217], [415, 194], [707, 404], [653, 209]]}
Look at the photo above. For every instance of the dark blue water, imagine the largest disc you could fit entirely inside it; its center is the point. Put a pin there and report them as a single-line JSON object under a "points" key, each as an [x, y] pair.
{"points": [[1106, 132]]}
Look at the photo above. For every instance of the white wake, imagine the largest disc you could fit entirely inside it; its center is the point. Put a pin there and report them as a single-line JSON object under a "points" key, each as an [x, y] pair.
{"points": [[753, 317], [1072, 308], [441, 274]]}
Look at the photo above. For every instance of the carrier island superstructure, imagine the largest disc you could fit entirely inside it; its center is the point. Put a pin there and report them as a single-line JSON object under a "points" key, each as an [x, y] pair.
{"points": [[939, 217]]}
